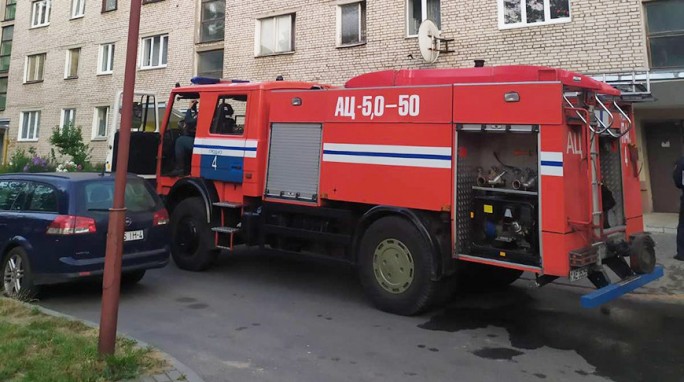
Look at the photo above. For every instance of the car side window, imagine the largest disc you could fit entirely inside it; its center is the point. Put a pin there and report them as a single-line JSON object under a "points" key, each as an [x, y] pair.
{"points": [[13, 195], [229, 115], [43, 199]]}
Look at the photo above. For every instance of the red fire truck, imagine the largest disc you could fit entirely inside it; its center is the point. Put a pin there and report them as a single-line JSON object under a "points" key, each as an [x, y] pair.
{"points": [[421, 178]]}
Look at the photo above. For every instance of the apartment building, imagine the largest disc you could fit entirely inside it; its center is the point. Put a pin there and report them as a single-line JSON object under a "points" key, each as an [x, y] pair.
{"points": [[67, 64], [635, 44]]}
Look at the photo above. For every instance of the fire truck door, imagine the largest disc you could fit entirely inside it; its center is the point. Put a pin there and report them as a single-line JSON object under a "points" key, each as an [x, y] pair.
{"points": [[224, 150]]}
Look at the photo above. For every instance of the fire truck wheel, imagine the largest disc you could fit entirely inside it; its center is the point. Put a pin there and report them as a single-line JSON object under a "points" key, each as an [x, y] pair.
{"points": [[395, 265], [192, 246], [481, 277]]}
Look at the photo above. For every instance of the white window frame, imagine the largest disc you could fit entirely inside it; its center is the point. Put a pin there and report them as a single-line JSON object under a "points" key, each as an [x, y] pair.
{"points": [[110, 51], [523, 16], [40, 13], [32, 120], [67, 64], [70, 111], [163, 45], [362, 38], [257, 40], [26, 68], [423, 14], [95, 136], [77, 8]]}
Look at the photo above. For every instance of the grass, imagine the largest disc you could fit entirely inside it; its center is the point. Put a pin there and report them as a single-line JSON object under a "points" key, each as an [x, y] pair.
{"points": [[37, 347]]}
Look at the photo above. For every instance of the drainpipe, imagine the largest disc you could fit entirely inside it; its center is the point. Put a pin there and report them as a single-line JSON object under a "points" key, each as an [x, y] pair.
{"points": [[111, 283]]}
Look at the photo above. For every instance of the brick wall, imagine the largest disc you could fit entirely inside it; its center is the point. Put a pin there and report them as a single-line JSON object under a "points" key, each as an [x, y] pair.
{"points": [[89, 89], [603, 36]]}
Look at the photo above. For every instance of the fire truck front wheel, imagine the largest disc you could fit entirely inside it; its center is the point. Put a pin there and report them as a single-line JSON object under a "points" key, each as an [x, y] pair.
{"points": [[395, 264], [192, 246]]}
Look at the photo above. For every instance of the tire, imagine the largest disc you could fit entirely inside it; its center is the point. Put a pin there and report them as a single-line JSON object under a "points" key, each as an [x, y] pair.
{"points": [[132, 278], [192, 243], [480, 277], [17, 278], [391, 238]]}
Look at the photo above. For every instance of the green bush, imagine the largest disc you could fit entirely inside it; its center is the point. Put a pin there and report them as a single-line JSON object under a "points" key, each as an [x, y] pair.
{"points": [[69, 141]]}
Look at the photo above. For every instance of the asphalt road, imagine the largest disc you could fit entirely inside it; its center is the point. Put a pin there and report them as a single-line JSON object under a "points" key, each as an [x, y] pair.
{"points": [[262, 317]]}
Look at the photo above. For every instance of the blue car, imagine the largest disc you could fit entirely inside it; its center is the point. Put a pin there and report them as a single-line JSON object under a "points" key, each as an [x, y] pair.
{"points": [[53, 228]]}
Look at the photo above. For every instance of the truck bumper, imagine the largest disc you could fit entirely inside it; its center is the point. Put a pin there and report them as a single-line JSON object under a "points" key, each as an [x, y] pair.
{"points": [[613, 291]]}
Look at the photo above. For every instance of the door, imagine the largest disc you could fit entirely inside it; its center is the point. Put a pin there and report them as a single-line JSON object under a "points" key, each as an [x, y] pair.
{"points": [[664, 145], [2, 145], [224, 148], [144, 136]]}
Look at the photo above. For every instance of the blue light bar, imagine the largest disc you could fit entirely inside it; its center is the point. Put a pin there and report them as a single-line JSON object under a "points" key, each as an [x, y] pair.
{"points": [[198, 80], [613, 291]]}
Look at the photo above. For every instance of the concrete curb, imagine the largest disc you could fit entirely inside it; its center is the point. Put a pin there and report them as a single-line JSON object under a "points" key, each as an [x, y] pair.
{"points": [[666, 230], [186, 372]]}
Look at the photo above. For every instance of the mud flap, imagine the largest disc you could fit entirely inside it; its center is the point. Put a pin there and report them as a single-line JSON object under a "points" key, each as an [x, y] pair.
{"points": [[613, 291]]}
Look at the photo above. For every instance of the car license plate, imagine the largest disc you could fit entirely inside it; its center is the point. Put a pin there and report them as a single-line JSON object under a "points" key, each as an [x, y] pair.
{"points": [[133, 235], [579, 274]]}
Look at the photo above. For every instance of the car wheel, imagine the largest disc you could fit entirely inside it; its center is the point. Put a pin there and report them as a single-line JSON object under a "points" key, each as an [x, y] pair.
{"points": [[130, 278], [395, 266], [16, 275], [481, 277], [192, 246]]}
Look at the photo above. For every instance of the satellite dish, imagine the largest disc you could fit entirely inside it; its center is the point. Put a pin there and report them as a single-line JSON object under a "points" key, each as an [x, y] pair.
{"points": [[429, 38]]}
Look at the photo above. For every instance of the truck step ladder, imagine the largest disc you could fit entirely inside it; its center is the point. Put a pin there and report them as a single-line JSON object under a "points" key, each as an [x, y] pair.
{"points": [[227, 205], [225, 237]]}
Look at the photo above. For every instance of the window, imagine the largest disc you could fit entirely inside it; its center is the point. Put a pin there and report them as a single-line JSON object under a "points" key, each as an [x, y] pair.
{"points": [[43, 199], [68, 118], [30, 124], [108, 5], [154, 52], [106, 59], [10, 9], [3, 95], [100, 122], [210, 64], [40, 13], [71, 66], [665, 33], [35, 66], [276, 35], [213, 20], [151, 1], [77, 8], [6, 48], [13, 195], [519, 13], [96, 197], [229, 115], [351, 24], [421, 10]]}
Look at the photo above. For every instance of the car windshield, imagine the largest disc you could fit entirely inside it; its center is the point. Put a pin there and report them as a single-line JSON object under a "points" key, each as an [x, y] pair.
{"points": [[98, 196]]}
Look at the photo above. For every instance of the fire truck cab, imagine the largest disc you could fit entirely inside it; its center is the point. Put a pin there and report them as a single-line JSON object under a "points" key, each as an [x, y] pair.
{"points": [[423, 179]]}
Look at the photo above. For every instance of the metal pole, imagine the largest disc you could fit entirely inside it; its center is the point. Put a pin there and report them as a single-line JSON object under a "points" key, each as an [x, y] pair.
{"points": [[112, 272]]}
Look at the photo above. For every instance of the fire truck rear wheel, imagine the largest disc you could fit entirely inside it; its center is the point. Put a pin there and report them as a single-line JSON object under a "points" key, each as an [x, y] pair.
{"points": [[395, 266], [192, 246]]}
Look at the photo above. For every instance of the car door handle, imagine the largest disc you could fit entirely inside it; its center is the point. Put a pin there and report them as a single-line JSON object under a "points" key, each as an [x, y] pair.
{"points": [[236, 167]]}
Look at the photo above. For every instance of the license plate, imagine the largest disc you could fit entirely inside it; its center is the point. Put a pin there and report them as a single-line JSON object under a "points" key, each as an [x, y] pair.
{"points": [[579, 274], [133, 235]]}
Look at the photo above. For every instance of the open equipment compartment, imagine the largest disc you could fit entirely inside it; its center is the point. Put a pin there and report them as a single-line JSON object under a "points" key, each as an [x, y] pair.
{"points": [[497, 179]]}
